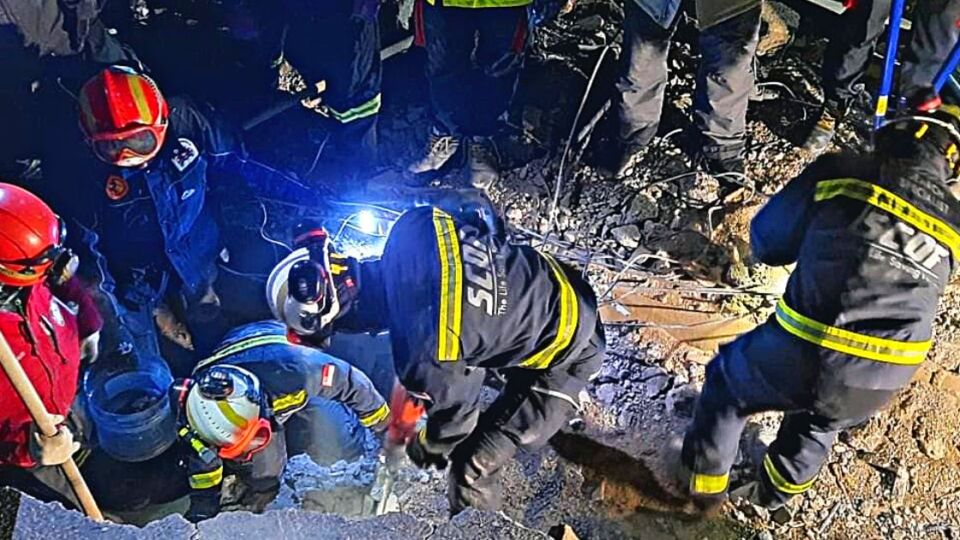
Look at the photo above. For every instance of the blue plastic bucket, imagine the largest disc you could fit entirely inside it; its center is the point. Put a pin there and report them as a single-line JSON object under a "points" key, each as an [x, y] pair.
{"points": [[130, 409]]}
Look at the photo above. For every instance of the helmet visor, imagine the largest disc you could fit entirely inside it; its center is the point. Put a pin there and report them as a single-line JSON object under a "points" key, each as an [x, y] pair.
{"points": [[139, 144]]}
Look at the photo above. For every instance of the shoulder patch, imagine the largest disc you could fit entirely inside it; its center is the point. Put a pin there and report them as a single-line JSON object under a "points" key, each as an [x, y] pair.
{"points": [[185, 154], [116, 187], [329, 371]]}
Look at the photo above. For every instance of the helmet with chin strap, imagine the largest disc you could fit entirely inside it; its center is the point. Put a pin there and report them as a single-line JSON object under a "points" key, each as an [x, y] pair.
{"points": [[937, 126]]}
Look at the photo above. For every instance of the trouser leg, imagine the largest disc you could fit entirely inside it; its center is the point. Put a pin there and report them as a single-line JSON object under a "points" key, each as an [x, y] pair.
{"points": [[643, 75], [450, 35], [805, 439], [500, 37], [725, 80], [766, 369], [848, 51], [934, 34], [326, 431], [524, 416], [44, 483]]}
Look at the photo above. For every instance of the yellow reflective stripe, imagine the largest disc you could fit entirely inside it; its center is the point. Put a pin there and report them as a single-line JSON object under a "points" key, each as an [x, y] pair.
{"points": [[892, 203], [241, 346], [289, 401], [482, 4], [139, 99], [906, 353], [231, 415], [195, 443], [709, 484], [781, 483], [375, 417], [208, 479], [451, 287], [365, 109], [566, 325]]}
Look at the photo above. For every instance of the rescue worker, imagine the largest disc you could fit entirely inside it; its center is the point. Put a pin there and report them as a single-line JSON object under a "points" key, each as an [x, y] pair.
{"points": [[473, 59], [337, 43], [875, 238], [850, 48], [51, 325], [145, 203], [459, 302], [238, 400], [729, 33]]}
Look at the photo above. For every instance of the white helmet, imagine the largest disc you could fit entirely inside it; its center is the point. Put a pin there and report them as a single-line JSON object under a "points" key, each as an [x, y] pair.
{"points": [[223, 409], [304, 316]]}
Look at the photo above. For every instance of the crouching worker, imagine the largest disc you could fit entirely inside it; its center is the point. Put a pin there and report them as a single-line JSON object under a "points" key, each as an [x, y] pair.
{"points": [[235, 407], [51, 324], [459, 301], [875, 238]]}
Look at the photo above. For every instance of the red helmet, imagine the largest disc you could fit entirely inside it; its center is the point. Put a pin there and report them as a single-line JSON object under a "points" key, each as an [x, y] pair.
{"points": [[31, 237], [124, 116]]}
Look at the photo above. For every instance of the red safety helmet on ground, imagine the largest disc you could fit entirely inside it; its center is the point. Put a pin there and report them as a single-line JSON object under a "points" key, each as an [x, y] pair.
{"points": [[31, 239], [124, 116]]}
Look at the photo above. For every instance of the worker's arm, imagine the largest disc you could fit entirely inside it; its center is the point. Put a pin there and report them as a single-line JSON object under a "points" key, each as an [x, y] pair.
{"points": [[205, 474], [334, 379], [778, 229]]}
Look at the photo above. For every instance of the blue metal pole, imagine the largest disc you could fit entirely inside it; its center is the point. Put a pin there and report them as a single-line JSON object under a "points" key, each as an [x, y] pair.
{"points": [[883, 98], [948, 68]]}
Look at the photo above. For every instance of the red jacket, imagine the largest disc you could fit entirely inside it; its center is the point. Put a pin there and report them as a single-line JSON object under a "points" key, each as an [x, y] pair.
{"points": [[47, 342]]}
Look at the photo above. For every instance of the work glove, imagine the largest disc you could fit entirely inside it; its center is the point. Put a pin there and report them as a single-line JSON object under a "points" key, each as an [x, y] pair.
{"points": [[422, 457], [90, 348], [56, 450]]}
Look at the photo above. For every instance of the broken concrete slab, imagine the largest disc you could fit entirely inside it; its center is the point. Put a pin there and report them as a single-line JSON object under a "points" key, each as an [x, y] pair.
{"points": [[36, 520]]}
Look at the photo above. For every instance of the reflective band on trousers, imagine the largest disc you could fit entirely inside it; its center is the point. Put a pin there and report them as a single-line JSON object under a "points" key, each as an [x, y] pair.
{"points": [[566, 324], [708, 484], [241, 346], [451, 287], [893, 204], [906, 353], [780, 483], [208, 479], [375, 417], [365, 109]]}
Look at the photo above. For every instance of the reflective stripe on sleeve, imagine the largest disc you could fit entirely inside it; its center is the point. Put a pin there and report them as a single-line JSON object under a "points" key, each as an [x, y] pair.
{"points": [[780, 483], [284, 403], [566, 323], [906, 353], [451, 287], [891, 203], [365, 109], [375, 417], [709, 484], [207, 480]]}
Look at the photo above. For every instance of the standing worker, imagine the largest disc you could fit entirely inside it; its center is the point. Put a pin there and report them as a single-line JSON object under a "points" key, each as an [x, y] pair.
{"points": [[875, 238], [850, 48], [51, 324], [473, 59], [459, 302], [729, 33], [238, 401]]}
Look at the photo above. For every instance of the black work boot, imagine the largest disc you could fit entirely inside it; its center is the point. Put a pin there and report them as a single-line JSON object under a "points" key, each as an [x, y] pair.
{"points": [[483, 162], [439, 149], [619, 158], [822, 133]]}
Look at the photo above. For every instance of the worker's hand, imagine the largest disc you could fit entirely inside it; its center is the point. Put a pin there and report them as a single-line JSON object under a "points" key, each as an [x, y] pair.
{"points": [[90, 348], [423, 457], [568, 7], [56, 450]]}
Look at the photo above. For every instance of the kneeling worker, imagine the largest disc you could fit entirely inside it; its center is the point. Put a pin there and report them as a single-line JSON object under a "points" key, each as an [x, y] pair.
{"points": [[236, 405], [458, 300], [875, 238]]}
